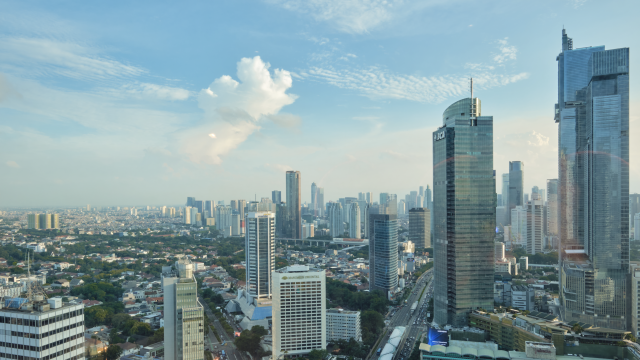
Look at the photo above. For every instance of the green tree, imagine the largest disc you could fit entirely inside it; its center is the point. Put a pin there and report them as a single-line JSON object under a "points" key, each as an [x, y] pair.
{"points": [[113, 352], [119, 320], [249, 341], [317, 354], [114, 338]]}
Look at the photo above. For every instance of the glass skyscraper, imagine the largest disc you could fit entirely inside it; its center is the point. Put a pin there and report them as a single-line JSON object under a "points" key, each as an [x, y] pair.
{"points": [[294, 203], [464, 202], [383, 253], [516, 186], [593, 191]]}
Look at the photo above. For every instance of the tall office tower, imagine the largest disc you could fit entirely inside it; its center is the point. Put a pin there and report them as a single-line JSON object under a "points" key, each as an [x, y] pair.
{"points": [[187, 214], [501, 217], [299, 311], [343, 325], [420, 227], [505, 190], [534, 226], [419, 202], [421, 191], [294, 203], [383, 253], [276, 196], [183, 313], [363, 205], [200, 206], [221, 202], [281, 220], [552, 207], [634, 207], [195, 217], [191, 201], [593, 191], [163, 211], [402, 208], [361, 196], [88, 207], [499, 198], [234, 205], [320, 201], [392, 204], [526, 198], [336, 226], [535, 190], [428, 198], [172, 212], [32, 328], [242, 205], [260, 250], [465, 213], [314, 199], [369, 197], [413, 200], [543, 195], [519, 226], [516, 187], [383, 198], [45, 221], [33, 221], [636, 227], [235, 224], [354, 221]]}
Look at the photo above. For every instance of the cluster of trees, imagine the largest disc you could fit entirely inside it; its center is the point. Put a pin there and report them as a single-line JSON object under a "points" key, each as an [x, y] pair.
{"points": [[227, 263], [362, 252], [102, 315], [249, 341], [281, 262], [546, 259], [350, 348], [211, 298], [423, 268], [347, 296], [101, 291]]}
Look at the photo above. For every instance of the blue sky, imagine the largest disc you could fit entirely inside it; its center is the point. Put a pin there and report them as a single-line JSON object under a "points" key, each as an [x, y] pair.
{"points": [[115, 103]]}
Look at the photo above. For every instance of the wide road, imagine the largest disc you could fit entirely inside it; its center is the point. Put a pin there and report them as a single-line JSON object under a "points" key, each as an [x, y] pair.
{"points": [[415, 323], [212, 343]]}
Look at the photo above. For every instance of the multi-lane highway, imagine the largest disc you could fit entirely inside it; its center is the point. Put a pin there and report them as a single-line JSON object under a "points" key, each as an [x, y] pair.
{"points": [[214, 345], [415, 322]]}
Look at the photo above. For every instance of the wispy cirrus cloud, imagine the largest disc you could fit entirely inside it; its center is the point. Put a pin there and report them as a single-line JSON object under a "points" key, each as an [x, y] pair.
{"points": [[507, 52], [46, 57], [355, 16], [379, 83]]}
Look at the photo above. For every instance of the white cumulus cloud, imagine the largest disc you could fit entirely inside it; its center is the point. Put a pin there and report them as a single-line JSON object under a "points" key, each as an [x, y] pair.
{"points": [[234, 110], [12, 164]]}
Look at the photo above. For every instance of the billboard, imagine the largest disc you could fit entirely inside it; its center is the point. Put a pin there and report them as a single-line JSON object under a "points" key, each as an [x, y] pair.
{"points": [[438, 337]]}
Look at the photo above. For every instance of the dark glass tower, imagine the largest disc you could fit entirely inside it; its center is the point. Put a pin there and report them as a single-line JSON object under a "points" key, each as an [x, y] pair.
{"points": [[383, 253], [516, 186], [593, 192], [294, 204], [464, 205]]}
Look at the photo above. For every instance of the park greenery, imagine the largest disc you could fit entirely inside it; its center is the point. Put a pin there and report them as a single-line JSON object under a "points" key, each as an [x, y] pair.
{"points": [[249, 341]]}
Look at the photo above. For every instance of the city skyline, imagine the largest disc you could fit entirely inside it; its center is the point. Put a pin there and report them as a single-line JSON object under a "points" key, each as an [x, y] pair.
{"points": [[150, 133]]}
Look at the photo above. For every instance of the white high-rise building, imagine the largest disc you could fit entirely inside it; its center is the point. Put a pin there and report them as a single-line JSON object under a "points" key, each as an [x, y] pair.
{"points": [[354, 221], [534, 226], [308, 230], [183, 313], [33, 329], [260, 253], [519, 226], [163, 211], [505, 190], [223, 217], [336, 226], [499, 251], [343, 325], [187, 214], [299, 322]]}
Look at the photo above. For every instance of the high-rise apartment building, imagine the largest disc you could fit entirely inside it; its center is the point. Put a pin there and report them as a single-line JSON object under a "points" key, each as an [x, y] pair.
{"points": [[354, 221], [320, 201], [383, 253], [361, 196], [276, 196], [464, 213], [187, 214], [505, 191], [634, 207], [364, 218], [183, 313], [314, 198], [299, 321], [223, 217], [343, 325], [593, 178], [294, 204], [260, 253], [43, 221], [420, 227], [534, 226], [191, 201], [516, 186], [336, 225], [369, 197], [518, 226]]}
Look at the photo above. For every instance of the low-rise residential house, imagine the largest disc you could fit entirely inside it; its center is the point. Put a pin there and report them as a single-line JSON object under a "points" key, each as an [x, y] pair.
{"points": [[93, 347], [90, 303], [60, 283], [128, 348], [76, 282]]}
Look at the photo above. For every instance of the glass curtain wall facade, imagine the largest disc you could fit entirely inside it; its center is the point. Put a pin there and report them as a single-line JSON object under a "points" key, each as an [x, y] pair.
{"points": [[516, 186], [464, 202], [260, 253], [593, 192], [294, 205], [383, 253]]}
